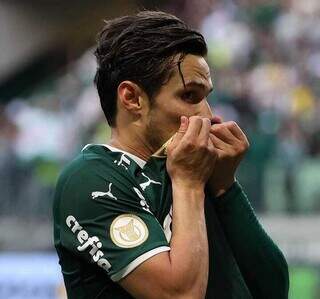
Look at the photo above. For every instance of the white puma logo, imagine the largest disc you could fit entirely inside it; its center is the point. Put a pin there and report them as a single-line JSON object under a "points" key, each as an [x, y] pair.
{"points": [[102, 194], [147, 183]]}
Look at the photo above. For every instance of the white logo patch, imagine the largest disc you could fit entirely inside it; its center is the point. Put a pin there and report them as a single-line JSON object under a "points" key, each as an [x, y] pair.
{"points": [[97, 194], [128, 231]]}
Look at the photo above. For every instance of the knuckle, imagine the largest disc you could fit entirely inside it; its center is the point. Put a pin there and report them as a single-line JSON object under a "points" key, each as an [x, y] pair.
{"points": [[213, 152], [195, 118], [244, 146], [219, 127], [203, 146], [233, 153], [206, 120], [215, 128], [240, 149], [232, 124], [188, 144]]}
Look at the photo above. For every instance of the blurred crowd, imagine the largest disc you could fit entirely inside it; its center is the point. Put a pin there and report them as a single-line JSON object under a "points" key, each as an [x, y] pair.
{"points": [[265, 61], [265, 57]]}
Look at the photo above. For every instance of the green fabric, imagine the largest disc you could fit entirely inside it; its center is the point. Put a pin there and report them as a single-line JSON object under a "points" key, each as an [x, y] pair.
{"points": [[96, 188], [260, 261], [100, 187]]}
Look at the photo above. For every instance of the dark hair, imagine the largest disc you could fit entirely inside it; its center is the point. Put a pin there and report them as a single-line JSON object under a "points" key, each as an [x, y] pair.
{"points": [[141, 48]]}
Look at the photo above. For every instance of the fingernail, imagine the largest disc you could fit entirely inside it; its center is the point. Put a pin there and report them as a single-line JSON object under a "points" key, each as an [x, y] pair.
{"points": [[183, 120]]}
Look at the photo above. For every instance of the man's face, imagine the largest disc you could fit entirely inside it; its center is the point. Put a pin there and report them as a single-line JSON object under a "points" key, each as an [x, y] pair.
{"points": [[176, 99]]}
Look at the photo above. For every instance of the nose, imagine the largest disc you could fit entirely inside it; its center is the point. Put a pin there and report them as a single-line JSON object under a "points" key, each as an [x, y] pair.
{"points": [[208, 113], [206, 110]]}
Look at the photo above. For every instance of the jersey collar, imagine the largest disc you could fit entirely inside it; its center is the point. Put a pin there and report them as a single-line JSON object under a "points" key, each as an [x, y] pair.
{"points": [[136, 159]]}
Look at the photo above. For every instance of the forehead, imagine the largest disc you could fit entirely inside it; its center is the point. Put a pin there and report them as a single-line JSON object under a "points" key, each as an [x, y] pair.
{"points": [[194, 69]]}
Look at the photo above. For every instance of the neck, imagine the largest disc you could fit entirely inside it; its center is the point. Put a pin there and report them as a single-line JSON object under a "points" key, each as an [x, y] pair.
{"points": [[131, 142]]}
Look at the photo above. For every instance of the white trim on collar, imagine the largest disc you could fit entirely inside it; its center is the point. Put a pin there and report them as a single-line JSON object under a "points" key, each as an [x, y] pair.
{"points": [[135, 158]]}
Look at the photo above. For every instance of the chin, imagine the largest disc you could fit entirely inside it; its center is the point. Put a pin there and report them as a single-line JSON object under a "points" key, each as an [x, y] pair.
{"points": [[157, 135]]}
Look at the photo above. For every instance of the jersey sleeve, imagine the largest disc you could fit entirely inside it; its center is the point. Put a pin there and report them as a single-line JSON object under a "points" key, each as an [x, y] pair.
{"points": [[105, 219], [252, 246]]}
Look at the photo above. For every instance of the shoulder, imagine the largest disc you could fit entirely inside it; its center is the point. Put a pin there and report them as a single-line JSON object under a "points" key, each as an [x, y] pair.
{"points": [[93, 174], [83, 166], [93, 164]]}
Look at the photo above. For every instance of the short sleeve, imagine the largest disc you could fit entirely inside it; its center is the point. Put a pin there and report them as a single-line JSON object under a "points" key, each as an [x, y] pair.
{"points": [[105, 219]]}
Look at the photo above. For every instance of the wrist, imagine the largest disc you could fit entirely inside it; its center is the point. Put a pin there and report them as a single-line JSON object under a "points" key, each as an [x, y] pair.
{"points": [[230, 197], [187, 185], [188, 191], [218, 190]]}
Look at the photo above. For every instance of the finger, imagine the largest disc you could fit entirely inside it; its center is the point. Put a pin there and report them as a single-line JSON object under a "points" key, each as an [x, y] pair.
{"points": [[213, 150], [222, 131], [184, 122], [236, 131], [219, 143], [192, 133], [222, 149], [204, 132]]}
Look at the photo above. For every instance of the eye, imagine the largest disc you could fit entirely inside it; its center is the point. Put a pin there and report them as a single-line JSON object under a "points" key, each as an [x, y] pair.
{"points": [[191, 96]]}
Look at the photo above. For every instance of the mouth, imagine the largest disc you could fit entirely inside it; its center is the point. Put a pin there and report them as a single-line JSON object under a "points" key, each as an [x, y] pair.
{"points": [[216, 120], [162, 151]]}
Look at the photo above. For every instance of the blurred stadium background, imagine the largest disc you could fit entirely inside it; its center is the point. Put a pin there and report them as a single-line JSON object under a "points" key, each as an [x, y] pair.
{"points": [[265, 59]]}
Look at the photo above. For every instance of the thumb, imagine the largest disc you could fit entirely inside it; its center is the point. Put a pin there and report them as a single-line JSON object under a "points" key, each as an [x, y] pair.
{"points": [[175, 139]]}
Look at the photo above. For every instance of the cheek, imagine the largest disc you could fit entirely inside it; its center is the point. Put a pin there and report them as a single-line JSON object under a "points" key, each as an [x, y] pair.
{"points": [[201, 109], [166, 113], [175, 111], [171, 118], [168, 110]]}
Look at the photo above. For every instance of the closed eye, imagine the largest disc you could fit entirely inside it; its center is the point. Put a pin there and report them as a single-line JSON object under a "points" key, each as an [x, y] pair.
{"points": [[191, 97]]}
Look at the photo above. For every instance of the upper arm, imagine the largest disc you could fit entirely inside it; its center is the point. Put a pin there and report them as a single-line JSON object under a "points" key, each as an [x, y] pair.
{"points": [[106, 225], [155, 278], [150, 279]]}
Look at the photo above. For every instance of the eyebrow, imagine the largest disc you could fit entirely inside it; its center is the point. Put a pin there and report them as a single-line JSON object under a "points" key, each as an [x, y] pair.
{"points": [[199, 85], [192, 82]]}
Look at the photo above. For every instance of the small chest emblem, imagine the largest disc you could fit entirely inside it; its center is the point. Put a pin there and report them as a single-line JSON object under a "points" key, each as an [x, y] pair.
{"points": [[124, 162], [128, 231]]}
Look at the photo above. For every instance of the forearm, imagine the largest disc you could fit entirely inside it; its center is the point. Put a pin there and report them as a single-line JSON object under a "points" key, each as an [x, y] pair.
{"points": [[260, 260], [189, 244]]}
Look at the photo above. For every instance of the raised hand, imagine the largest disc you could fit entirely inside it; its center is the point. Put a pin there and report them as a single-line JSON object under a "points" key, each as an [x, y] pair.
{"points": [[191, 154], [231, 144]]}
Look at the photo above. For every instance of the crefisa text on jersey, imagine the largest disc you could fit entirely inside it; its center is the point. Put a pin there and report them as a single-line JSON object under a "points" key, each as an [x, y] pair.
{"points": [[86, 242]]}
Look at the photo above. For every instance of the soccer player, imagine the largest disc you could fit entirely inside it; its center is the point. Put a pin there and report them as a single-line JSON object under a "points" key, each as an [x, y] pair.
{"points": [[133, 221]]}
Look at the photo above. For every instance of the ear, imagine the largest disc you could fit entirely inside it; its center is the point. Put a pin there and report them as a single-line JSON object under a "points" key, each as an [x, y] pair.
{"points": [[131, 97]]}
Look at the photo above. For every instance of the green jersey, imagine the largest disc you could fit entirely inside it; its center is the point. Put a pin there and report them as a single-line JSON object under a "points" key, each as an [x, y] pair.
{"points": [[113, 211]]}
